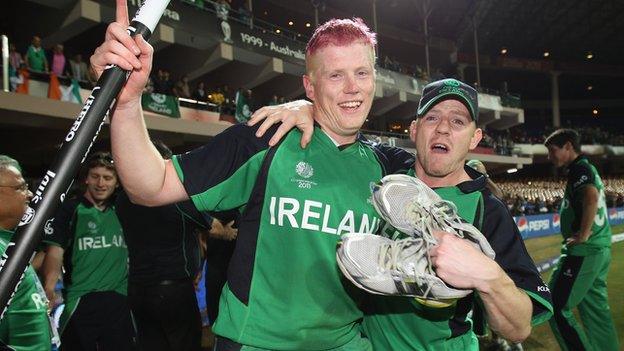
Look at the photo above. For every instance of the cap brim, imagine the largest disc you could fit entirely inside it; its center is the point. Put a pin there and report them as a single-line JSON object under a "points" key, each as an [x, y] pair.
{"points": [[446, 96]]}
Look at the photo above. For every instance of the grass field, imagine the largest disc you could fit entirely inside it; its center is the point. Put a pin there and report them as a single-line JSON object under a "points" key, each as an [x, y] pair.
{"points": [[542, 338]]}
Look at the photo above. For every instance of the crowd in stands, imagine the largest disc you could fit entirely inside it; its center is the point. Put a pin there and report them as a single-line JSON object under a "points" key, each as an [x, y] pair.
{"points": [[222, 98], [540, 196], [497, 140], [590, 135], [37, 60], [56, 61], [503, 141]]}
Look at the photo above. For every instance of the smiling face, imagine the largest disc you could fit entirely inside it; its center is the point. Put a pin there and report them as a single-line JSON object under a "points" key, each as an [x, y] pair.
{"points": [[101, 183], [443, 137], [341, 83]]}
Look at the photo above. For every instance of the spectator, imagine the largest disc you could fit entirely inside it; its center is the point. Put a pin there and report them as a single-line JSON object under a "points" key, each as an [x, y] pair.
{"points": [[199, 93], [35, 56], [162, 83], [217, 98], [182, 88], [274, 101], [58, 60], [15, 58], [79, 69], [229, 103]]}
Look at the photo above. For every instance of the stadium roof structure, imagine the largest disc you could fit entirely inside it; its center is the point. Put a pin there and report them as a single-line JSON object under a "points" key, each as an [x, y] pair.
{"points": [[191, 42], [568, 30]]}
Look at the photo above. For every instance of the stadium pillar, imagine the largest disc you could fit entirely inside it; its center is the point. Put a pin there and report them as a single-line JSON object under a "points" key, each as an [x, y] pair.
{"points": [[374, 10], [476, 47], [251, 17], [375, 16], [316, 18], [426, 11], [5, 63], [554, 93]]}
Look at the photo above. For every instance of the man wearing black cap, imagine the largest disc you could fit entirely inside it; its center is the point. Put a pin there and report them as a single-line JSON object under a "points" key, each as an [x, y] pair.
{"points": [[510, 289]]}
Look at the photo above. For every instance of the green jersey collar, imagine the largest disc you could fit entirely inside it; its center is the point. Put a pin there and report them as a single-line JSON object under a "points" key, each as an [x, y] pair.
{"points": [[328, 142], [88, 204]]}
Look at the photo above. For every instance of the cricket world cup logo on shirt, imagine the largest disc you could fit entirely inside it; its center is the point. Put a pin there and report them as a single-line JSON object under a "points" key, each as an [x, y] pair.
{"points": [[305, 171]]}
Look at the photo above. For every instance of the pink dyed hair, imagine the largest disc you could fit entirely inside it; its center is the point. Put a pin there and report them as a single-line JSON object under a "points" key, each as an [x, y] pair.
{"points": [[341, 32]]}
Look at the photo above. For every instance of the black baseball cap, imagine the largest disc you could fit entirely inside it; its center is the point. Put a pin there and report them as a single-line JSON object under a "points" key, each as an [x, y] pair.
{"points": [[444, 89]]}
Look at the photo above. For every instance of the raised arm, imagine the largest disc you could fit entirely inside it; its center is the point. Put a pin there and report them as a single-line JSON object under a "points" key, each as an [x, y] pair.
{"points": [[147, 178]]}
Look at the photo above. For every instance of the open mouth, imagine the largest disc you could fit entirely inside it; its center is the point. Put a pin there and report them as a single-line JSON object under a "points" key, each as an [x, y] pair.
{"points": [[350, 106], [440, 148]]}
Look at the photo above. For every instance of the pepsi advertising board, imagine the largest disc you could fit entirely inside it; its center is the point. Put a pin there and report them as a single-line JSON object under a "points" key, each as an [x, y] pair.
{"points": [[550, 224], [616, 215]]}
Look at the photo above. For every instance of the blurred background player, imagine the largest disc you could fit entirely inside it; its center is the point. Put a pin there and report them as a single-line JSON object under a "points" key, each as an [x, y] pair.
{"points": [[164, 253], [580, 277], [87, 240]]}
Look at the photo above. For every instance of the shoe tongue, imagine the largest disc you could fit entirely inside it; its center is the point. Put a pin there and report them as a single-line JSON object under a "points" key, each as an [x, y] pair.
{"points": [[411, 256]]}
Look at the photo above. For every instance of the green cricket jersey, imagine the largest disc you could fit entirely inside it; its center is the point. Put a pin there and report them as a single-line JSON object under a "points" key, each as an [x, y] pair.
{"points": [[96, 256], [399, 323], [284, 289], [581, 174], [25, 326]]}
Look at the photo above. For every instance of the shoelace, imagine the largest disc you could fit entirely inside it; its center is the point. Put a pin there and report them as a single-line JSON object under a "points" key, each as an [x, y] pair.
{"points": [[410, 249], [440, 216]]}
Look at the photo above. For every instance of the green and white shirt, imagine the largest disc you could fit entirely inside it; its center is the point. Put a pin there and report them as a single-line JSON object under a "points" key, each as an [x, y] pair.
{"points": [[96, 256], [401, 323], [582, 174], [284, 289], [25, 326]]}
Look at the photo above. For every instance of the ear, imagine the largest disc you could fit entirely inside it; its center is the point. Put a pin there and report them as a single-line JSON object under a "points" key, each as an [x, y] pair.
{"points": [[476, 138], [413, 128], [309, 86]]}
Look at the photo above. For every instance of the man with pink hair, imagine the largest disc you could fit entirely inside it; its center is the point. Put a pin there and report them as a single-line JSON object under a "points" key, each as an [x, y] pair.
{"points": [[284, 290]]}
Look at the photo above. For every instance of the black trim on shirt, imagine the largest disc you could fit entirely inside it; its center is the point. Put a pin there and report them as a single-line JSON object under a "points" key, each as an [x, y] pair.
{"points": [[219, 159], [241, 267], [504, 237], [393, 160], [580, 174]]}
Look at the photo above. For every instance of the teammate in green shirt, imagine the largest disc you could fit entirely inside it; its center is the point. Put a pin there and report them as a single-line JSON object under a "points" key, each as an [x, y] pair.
{"points": [[284, 289], [580, 278], [86, 238], [509, 288], [25, 325]]}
